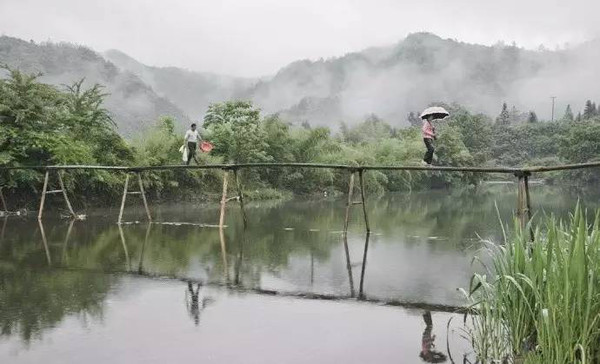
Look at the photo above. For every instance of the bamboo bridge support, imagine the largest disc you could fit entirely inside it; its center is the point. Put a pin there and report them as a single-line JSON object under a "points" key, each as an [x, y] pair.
{"points": [[361, 292], [143, 250], [66, 242], [224, 254], [524, 203], [3, 201], [5, 220], [349, 266], [240, 196], [45, 242], [350, 202], [61, 189], [139, 192], [125, 250], [225, 199], [237, 279]]}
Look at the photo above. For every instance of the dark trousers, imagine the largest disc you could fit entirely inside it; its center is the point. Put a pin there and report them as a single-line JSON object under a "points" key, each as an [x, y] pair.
{"points": [[192, 152], [428, 158]]}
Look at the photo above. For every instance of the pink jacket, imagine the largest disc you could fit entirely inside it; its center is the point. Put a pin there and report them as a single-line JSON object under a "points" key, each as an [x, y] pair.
{"points": [[428, 130]]}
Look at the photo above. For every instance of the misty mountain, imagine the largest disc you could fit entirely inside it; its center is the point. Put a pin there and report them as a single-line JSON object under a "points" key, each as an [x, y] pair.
{"points": [[190, 91], [424, 68], [388, 81], [392, 81], [133, 104]]}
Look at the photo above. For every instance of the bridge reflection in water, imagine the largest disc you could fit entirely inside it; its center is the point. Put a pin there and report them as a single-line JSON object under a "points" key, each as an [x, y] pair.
{"points": [[415, 258], [131, 250], [236, 284]]}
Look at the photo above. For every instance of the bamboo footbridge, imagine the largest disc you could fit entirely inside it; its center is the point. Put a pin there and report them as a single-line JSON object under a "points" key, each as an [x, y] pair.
{"points": [[524, 213], [522, 175]]}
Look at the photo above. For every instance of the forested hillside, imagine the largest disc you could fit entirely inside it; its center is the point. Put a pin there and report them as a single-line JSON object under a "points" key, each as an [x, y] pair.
{"points": [[393, 81], [389, 82], [133, 104], [423, 68], [41, 124], [59, 118], [190, 91]]}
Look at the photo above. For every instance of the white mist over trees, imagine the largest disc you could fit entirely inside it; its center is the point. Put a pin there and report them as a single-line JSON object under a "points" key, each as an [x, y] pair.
{"points": [[134, 105], [387, 82], [393, 81]]}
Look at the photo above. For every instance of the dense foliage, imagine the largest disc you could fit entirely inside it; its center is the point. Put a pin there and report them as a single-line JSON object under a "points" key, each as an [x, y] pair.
{"points": [[540, 303], [132, 101], [42, 125]]}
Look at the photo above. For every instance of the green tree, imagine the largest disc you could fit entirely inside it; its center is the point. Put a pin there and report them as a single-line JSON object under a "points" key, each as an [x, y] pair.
{"points": [[476, 133], [452, 151], [278, 139], [42, 125], [532, 118], [568, 117], [370, 130], [85, 109], [582, 144], [279, 148], [504, 117], [413, 120], [590, 110], [92, 123], [235, 129], [516, 117]]}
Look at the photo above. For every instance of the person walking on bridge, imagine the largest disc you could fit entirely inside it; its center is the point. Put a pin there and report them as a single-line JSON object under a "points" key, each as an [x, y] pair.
{"points": [[428, 130], [191, 139]]}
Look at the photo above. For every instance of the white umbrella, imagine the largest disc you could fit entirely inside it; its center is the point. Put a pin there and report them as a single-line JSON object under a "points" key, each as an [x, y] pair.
{"points": [[437, 112]]}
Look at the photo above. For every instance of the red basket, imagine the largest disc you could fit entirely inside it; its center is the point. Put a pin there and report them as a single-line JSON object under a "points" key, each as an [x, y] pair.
{"points": [[206, 147]]}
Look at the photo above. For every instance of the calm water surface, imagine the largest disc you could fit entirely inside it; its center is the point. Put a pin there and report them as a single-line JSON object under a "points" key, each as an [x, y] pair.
{"points": [[178, 290]]}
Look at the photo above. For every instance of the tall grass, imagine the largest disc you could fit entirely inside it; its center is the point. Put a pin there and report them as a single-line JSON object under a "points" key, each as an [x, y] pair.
{"points": [[540, 300]]}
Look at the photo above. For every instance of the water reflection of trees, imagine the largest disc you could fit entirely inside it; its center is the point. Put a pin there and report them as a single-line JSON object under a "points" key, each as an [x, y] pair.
{"points": [[462, 214], [34, 297], [39, 292], [33, 301]]}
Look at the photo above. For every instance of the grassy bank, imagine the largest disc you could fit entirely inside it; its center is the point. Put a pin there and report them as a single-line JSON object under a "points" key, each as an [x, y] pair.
{"points": [[540, 301]]}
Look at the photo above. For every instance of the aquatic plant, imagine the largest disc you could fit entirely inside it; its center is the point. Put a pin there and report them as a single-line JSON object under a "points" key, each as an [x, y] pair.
{"points": [[540, 300]]}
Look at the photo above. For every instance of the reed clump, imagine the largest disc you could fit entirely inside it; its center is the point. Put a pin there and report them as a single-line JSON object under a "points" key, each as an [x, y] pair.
{"points": [[540, 300]]}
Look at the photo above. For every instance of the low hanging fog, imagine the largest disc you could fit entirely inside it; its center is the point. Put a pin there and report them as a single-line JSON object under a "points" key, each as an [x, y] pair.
{"points": [[321, 62], [423, 68]]}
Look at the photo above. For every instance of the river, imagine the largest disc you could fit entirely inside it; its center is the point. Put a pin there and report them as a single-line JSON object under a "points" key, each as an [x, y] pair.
{"points": [[286, 289]]}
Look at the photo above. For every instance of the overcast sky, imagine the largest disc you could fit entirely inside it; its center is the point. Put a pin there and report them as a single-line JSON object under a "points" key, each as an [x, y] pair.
{"points": [[257, 37]]}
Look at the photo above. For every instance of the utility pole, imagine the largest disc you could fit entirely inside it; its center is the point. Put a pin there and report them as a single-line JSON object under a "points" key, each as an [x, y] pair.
{"points": [[553, 97]]}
